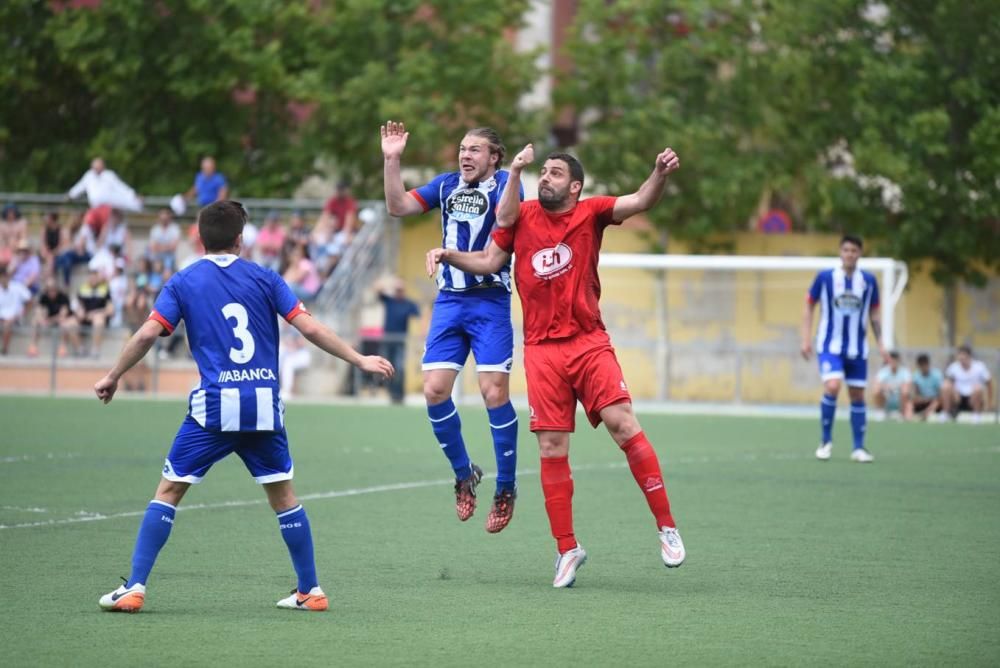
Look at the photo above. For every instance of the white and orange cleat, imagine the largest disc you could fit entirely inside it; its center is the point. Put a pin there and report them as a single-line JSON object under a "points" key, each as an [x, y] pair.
{"points": [[671, 547], [315, 601], [567, 564], [124, 599]]}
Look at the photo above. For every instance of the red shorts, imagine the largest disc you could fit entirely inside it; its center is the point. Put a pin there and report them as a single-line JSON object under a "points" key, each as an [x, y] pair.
{"points": [[560, 373], [97, 218]]}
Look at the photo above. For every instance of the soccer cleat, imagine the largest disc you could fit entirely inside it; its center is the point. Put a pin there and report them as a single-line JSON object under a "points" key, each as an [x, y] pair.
{"points": [[502, 510], [861, 456], [567, 564], [671, 547], [124, 599], [314, 601], [465, 494], [824, 451]]}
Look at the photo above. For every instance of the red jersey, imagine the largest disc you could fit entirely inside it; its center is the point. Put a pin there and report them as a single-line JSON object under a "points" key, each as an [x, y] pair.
{"points": [[555, 267]]}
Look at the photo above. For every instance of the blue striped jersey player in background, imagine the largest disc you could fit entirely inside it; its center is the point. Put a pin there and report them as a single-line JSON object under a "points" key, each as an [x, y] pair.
{"points": [[471, 312], [848, 302], [231, 308]]}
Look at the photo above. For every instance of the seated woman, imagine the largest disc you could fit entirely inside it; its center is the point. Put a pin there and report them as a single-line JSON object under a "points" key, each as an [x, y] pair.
{"points": [[301, 275]]}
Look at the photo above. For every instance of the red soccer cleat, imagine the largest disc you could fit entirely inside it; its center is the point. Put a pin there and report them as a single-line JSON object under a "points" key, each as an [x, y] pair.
{"points": [[465, 494], [502, 510]]}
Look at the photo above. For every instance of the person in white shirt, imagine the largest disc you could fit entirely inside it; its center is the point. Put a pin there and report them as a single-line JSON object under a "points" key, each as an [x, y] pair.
{"points": [[13, 297], [105, 191], [968, 385]]}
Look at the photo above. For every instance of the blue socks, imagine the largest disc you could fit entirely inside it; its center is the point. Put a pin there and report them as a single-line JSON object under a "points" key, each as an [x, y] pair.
{"points": [[858, 416], [448, 430], [153, 534], [827, 409], [295, 530], [503, 424]]}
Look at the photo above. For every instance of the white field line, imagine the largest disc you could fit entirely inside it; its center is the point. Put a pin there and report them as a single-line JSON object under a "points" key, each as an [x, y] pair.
{"points": [[88, 516], [17, 459]]}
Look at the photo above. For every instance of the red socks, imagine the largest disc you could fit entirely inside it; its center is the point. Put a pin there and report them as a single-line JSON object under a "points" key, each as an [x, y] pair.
{"points": [[557, 486], [646, 471]]}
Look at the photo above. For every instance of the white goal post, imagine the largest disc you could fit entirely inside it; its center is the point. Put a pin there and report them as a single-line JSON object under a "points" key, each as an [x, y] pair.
{"points": [[893, 273]]}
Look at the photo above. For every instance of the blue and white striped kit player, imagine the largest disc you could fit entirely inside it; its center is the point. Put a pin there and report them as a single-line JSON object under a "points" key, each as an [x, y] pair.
{"points": [[847, 300], [229, 307]]}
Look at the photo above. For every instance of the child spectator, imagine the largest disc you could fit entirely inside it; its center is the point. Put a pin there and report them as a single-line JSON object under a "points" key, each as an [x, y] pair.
{"points": [[926, 388], [969, 386], [892, 388]]}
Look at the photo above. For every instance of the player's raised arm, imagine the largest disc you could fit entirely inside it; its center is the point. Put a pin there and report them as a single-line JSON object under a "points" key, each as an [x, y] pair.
{"points": [[324, 338], [135, 349], [487, 261], [397, 200], [509, 208], [650, 191]]}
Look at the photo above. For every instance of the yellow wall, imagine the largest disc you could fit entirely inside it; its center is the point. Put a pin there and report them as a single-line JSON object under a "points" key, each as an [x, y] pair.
{"points": [[718, 310]]}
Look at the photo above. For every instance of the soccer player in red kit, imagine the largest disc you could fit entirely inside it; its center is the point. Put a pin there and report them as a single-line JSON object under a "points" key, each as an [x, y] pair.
{"points": [[555, 241]]}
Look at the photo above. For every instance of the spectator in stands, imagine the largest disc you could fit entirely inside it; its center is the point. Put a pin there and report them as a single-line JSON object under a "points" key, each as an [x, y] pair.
{"points": [[118, 287], [293, 356], [301, 275], [81, 250], [271, 241], [54, 241], [105, 191], [298, 234], [893, 389], [968, 386], [94, 308], [342, 208], [398, 311], [27, 267], [209, 185], [53, 311], [194, 238], [149, 276], [926, 388], [115, 233], [163, 239], [106, 260], [13, 230], [13, 297]]}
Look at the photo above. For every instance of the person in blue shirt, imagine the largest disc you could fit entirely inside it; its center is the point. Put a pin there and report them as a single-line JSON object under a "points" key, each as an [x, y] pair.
{"points": [[209, 185], [849, 302], [927, 384], [230, 307], [471, 312], [398, 311]]}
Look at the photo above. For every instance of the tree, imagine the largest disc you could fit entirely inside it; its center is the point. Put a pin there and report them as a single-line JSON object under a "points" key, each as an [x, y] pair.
{"points": [[876, 118], [268, 87]]}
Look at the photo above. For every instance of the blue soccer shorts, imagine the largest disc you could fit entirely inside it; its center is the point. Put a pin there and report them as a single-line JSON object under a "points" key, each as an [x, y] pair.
{"points": [[477, 320], [195, 449], [853, 371]]}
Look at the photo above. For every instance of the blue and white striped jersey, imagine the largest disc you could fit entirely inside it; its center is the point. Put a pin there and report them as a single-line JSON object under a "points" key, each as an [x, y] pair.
{"points": [[845, 304], [230, 309], [468, 216]]}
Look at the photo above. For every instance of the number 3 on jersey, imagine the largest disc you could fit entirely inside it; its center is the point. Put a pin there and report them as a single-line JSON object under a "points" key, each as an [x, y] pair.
{"points": [[239, 313]]}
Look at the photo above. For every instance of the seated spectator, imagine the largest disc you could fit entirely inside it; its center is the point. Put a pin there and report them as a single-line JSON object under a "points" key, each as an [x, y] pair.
{"points": [[106, 260], [138, 304], [13, 297], [13, 229], [302, 276], [118, 286], [115, 233], [27, 267], [81, 250], [163, 239], [53, 311], [94, 308], [335, 229], [968, 386], [149, 276], [298, 235], [271, 241], [892, 388], [209, 185], [926, 388], [54, 241]]}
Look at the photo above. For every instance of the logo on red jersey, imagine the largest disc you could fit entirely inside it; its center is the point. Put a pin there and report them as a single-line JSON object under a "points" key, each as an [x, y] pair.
{"points": [[552, 262]]}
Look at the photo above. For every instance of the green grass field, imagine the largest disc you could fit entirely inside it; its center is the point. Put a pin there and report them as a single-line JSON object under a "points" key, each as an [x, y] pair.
{"points": [[790, 561]]}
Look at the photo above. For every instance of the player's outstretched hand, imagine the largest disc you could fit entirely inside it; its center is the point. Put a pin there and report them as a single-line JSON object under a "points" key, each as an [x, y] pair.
{"points": [[434, 258], [379, 366], [667, 162], [105, 389], [394, 136], [524, 158], [806, 350]]}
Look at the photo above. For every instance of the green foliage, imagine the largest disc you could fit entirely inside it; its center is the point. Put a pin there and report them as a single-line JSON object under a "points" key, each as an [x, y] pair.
{"points": [[753, 96], [269, 87]]}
